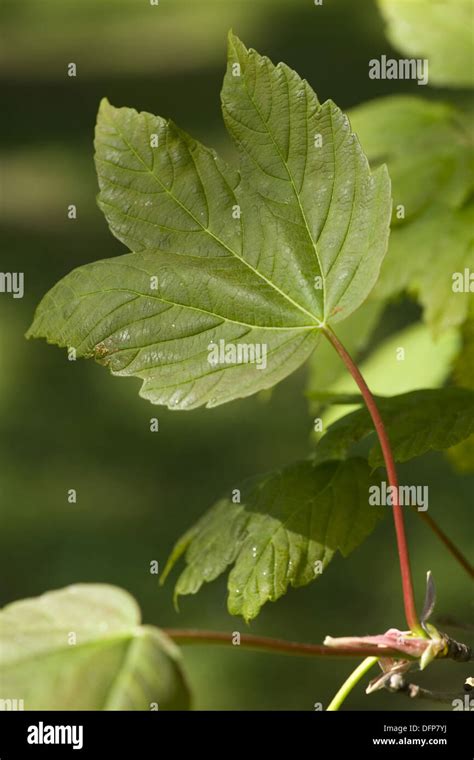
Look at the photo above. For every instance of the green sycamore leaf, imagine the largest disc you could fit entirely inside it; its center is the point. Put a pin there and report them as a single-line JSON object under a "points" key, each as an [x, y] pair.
{"points": [[416, 422], [284, 533], [83, 648], [440, 30], [232, 274], [428, 148]]}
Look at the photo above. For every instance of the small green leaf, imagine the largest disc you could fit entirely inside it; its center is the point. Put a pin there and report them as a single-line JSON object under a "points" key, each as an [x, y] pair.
{"points": [[284, 533], [231, 273], [440, 30], [416, 422], [83, 648]]}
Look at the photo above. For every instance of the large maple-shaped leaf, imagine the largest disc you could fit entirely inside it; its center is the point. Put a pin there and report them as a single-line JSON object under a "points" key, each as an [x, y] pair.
{"points": [[259, 259], [284, 533], [83, 648]]}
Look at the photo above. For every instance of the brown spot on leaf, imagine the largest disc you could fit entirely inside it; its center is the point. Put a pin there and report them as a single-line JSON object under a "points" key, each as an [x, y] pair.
{"points": [[100, 351]]}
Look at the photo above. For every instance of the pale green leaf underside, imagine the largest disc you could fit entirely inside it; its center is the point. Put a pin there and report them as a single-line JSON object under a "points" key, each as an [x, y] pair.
{"points": [[222, 256], [284, 533], [416, 422], [114, 664], [440, 30]]}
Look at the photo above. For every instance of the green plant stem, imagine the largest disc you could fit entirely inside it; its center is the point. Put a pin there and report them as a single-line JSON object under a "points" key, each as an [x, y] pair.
{"points": [[350, 682], [407, 584], [278, 646]]}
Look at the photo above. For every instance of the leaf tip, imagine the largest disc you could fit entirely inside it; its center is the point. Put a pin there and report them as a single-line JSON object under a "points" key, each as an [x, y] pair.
{"points": [[176, 596], [104, 104], [168, 567], [234, 44], [106, 110]]}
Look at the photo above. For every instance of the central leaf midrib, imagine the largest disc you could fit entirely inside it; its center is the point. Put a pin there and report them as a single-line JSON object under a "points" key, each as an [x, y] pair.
{"points": [[291, 180], [209, 231], [290, 328]]}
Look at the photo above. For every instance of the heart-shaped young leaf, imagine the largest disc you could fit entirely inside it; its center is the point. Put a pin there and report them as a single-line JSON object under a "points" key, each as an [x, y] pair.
{"points": [[83, 648], [416, 422], [284, 533], [232, 275]]}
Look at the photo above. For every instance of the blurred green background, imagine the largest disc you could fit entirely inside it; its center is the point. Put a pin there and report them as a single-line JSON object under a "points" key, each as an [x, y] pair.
{"points": [[70, 425]]}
